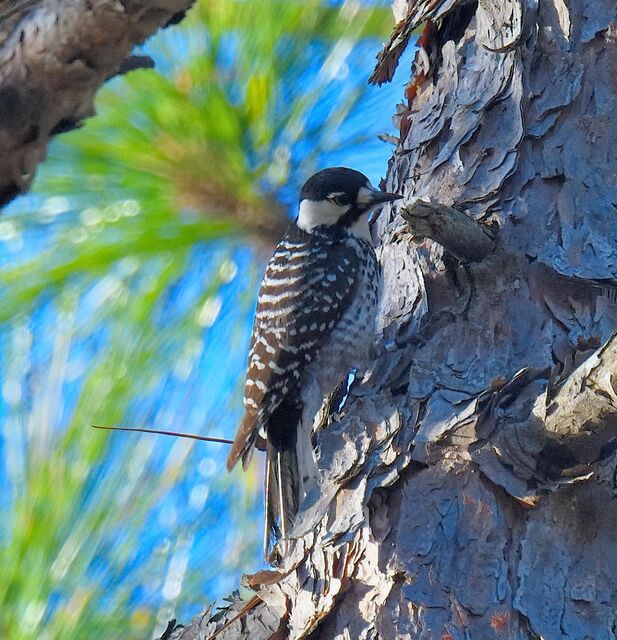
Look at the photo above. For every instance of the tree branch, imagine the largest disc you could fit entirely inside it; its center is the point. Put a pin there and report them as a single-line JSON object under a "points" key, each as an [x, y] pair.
{"points": [[463, 237], [54, 55]]}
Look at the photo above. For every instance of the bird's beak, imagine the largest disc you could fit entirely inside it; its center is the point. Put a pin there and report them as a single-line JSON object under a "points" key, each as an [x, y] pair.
{"points": [[381, 197]]}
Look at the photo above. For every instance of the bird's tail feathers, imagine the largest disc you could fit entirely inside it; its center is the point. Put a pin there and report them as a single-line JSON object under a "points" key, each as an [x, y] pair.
{"points": [[282, 494], [244, 441]]}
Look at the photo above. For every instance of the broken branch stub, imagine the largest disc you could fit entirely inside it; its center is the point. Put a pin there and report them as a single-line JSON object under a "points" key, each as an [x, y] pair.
{"points": [[582, 415], [463, 237]]}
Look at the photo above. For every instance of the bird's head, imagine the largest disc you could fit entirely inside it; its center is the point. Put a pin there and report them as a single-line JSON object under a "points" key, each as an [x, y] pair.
{"points": [[341, 198]]}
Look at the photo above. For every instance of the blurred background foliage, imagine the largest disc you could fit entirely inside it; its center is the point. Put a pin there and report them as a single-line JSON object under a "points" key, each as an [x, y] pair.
{"points": [[127, 284]]}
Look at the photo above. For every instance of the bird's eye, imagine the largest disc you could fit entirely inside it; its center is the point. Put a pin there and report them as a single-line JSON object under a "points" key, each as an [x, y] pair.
{"points": [[341, 199]]}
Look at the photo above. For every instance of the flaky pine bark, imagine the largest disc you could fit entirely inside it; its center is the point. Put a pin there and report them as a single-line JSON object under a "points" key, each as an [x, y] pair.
{"points": [[54, 55], [468, 487]]}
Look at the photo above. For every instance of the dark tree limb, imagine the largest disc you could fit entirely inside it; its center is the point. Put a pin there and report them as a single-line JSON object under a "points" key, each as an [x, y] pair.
{"points": [[54, 55]]}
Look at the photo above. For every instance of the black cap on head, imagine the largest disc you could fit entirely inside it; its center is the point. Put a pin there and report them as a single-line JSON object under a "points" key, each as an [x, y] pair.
{"points": [[327, 181]]}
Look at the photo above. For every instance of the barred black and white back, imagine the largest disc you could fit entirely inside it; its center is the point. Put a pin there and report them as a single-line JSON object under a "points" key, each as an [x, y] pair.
{"points": [[314, 322]]}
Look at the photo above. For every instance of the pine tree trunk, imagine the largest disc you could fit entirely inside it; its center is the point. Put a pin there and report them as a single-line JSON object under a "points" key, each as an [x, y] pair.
{"points": [[469, 486]]}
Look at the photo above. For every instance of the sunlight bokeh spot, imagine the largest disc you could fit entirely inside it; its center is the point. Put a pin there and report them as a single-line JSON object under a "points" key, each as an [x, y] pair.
{"points": [[54, 206], [8, 230], [209, 311], [199, 495]]}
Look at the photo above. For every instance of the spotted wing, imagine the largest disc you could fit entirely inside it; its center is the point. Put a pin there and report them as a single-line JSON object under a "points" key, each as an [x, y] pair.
{"points": [[308, 286]]}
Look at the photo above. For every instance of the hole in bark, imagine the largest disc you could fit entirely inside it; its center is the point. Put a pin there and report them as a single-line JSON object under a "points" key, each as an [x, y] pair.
{"points": [[453, 28], [455, 24], [554, 458], [8, 192]]}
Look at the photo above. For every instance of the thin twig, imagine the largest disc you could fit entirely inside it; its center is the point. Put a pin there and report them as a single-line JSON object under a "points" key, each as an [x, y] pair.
{"points": [[178, 434]]}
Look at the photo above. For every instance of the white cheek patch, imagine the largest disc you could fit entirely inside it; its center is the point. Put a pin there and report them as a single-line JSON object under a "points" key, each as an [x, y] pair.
{"points": [[365, 194], [313, 213]]}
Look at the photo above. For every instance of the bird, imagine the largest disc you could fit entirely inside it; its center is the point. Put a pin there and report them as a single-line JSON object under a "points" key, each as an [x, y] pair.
{"points": [[314, 323]]}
